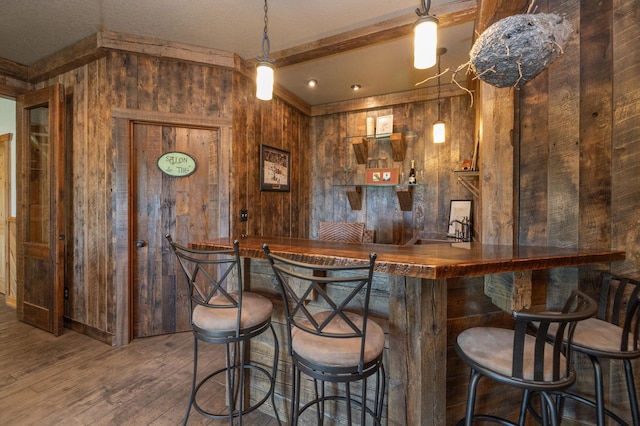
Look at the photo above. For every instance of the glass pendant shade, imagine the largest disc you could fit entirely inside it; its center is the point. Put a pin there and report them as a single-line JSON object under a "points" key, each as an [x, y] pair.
{"points": [[264, 81], [438, 132], [425, 41]]}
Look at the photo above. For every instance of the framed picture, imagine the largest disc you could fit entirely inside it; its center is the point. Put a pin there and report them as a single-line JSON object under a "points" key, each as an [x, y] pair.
{"points": [[274, 169], [384, 125], [384, 176], [458, 211]]}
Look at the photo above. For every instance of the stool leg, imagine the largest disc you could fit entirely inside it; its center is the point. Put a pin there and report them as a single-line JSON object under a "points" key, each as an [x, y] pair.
{"points": [[599, 390], [363, 414], [631, 387], [193, 382], [295, 396], [471, 396], [274, 372]]}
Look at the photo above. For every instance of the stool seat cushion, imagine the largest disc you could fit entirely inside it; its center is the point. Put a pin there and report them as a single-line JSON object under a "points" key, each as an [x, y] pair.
{"points": [[256, 309], [595, 335], [492, 348], [336, 351]]}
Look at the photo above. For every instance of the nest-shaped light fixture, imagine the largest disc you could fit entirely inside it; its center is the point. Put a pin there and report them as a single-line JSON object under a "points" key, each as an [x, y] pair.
{"points": [[265, 69], [425, 40]]}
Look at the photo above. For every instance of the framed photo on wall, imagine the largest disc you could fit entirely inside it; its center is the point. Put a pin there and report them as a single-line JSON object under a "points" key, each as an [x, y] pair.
{"points": [[458, 211], [274, 169]]}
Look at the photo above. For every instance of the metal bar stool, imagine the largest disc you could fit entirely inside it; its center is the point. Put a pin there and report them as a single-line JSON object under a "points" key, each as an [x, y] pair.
{"points": [[332, 339], [524, 358], [612, 334], [221, 315]]}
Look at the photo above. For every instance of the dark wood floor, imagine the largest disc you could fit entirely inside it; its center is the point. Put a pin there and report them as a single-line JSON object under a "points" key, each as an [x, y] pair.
{"points": [[76, 380]]}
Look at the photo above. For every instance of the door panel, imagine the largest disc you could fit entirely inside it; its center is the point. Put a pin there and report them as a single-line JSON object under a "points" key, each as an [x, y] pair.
{"points": [[40, 218], [186, 207]]}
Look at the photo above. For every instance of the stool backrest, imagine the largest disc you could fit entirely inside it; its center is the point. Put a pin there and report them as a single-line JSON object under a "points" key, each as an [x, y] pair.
{"points": [[347, 232], [545, 326], [619, 304], [208, 274], [338, 289]]}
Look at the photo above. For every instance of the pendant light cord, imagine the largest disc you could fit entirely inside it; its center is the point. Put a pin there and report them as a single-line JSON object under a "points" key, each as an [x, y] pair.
{"points": [[424, 11], [439, 87], [266, 43]]}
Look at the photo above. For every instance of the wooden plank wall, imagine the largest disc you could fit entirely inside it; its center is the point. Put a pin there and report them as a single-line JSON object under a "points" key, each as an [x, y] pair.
{"points": [[579, 152], [129, 81], [276, 124], [330, 147]]}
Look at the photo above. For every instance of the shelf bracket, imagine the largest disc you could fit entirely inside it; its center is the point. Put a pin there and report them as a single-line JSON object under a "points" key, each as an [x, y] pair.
{"points": [[470, 180]]}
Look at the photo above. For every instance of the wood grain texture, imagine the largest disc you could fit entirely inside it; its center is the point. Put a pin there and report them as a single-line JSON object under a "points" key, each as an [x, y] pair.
{"points": [[70, 379], [394, 217], [432, 261]]}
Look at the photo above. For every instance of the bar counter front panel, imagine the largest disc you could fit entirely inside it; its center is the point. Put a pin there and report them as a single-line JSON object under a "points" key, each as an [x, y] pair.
{"points": [[417, 301]]}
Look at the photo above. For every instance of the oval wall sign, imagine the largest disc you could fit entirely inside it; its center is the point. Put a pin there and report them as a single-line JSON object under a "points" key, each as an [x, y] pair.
{"points": [[176, 164]]}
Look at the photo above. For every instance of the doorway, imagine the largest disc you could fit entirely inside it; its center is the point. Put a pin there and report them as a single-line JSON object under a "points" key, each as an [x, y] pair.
{"points": [[186, 206]]}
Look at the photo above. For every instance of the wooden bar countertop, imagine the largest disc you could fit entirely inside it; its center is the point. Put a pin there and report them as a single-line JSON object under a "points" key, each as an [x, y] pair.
{"points": [[417, 357], [432, 261]]}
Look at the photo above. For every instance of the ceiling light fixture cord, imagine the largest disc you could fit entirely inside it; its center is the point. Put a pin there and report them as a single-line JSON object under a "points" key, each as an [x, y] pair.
{"points": [[424, 11], [439, 87], [266, 43]]}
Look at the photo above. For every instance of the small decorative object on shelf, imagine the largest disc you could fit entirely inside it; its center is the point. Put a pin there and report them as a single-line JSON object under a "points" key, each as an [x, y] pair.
{"points": [[384, 126], [371, 127], [412, 173]]}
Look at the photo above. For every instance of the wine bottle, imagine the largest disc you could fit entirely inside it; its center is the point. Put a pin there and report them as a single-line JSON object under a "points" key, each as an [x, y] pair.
{"points": [[412, 173]]}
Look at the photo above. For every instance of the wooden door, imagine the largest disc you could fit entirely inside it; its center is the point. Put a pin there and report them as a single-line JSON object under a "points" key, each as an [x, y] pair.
{"points": [[5, 194], [186, 207], [40, 217]]}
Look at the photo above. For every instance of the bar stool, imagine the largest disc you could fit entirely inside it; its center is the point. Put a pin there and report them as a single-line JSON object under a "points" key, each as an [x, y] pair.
{"points": [[221, 315], [525, 359], [612, 334], [328, 341]]}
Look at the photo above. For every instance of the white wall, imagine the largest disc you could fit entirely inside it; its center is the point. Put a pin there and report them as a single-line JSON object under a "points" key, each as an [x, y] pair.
{"points": [[8, 125]]}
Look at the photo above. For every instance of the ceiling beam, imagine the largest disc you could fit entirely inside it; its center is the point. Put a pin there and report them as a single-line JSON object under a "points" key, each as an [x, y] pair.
{"points": [[448, 15]]}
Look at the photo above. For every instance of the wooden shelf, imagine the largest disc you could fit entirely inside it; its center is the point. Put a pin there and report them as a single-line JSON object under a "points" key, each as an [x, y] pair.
{"points": [[470, 180], [404, 193], [361, 146]]}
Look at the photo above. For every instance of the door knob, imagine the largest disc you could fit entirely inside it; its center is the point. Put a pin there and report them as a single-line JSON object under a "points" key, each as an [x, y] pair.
{"points": [[141, 243]]}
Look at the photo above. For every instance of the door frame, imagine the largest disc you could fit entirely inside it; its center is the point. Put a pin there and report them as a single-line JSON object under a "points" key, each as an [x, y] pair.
{"points": [[124, 120], [6, 139], [49, 317]]}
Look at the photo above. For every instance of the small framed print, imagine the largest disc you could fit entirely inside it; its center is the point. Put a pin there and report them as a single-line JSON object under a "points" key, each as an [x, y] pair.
{"points": [[384, 176], [274, 169], [384, 125], [458, 211]]}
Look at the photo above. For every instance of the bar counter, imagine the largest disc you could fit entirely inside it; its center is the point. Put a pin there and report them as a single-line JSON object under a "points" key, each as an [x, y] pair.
{"points": [[418, 301]]}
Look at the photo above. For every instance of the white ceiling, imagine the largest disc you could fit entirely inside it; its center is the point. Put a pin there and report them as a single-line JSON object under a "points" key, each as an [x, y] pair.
{"points": [[34, 29]]}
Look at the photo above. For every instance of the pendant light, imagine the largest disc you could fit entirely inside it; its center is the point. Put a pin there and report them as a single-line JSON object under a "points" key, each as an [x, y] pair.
{"points": [[425, 39], [265, 68], [438, 126]]}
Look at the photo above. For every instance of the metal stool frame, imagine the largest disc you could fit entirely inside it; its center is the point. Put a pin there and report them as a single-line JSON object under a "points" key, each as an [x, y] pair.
{"points": [[297, 280], [197, 266], [532, 331]]}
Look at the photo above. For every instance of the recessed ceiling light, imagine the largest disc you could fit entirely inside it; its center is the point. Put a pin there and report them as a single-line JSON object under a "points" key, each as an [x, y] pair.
{"points": [[356, 87], [312, 83]]}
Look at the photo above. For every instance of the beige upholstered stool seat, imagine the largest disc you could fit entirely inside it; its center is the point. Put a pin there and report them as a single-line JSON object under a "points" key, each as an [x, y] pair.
{"points": [[596, 336], [256, 309], [337, 351], [493, 349]]}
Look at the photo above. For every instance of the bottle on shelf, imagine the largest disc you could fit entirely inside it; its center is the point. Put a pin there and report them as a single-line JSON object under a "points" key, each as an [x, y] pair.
{"points": [[412, 173]]}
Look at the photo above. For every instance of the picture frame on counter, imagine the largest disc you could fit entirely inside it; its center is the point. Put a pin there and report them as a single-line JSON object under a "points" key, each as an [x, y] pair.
{"points": [[274, 169], [383, 176]]}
